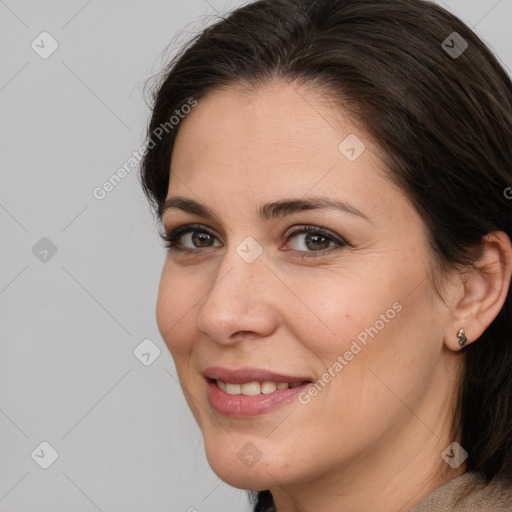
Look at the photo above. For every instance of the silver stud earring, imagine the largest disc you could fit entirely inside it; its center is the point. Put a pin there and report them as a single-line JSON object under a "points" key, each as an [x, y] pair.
{"points": [[462, 337]]}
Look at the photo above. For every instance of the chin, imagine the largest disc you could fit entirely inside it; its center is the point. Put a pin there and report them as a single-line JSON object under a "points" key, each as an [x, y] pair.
{"points": [[250, 480], [244, 468]]}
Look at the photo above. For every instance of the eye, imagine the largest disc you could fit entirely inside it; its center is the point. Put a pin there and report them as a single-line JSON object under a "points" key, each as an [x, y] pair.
{"points": [[314, 240], [189, 238], [192, 238]]}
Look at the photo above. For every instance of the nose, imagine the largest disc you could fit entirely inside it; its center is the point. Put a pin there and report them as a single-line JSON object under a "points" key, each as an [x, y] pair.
{"points": [[239, 302]]}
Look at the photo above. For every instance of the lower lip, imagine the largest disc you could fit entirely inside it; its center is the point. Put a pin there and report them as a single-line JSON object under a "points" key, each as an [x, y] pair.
{"points": [[244, 406]]}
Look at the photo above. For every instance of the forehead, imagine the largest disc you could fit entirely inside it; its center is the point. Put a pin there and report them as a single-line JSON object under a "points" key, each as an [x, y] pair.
{"points": [[276, 120], [273, 141]]}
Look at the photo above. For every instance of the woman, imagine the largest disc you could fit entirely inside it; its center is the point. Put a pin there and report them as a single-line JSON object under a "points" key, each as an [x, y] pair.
{"points": [[333, 178]]}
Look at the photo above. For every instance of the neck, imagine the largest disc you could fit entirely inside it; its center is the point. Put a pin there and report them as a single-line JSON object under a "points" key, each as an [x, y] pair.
{"points": [[369, 485]]}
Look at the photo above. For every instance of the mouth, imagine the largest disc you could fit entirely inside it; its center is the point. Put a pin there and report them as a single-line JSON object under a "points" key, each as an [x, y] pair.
{"points": [[249, 392], [255, 387]]}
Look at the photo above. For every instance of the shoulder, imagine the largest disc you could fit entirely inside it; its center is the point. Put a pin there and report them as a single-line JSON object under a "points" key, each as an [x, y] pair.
{"points": [[469, 493]]}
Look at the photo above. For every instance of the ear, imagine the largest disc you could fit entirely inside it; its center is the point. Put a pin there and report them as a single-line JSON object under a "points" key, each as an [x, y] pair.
{"points": [[482, 290]]}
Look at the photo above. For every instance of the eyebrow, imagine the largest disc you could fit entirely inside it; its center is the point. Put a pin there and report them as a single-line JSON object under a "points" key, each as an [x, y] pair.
{"points": [[268, 211]]}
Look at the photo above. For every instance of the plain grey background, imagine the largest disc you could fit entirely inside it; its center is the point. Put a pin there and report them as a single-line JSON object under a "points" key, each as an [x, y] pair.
{"points": [[79, 275]]}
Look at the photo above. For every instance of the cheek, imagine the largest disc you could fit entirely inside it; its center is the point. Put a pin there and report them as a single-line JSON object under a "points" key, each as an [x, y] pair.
{"points": [[384, 341], [377, 324], [344, 309], [174, 311]]}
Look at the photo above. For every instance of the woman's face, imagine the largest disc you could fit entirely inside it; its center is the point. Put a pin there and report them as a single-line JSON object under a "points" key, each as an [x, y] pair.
{"points": [[260, 301]]}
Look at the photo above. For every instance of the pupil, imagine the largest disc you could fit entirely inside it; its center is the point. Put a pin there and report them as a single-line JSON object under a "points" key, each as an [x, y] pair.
{"points": [[200, 238], [316, 240]]}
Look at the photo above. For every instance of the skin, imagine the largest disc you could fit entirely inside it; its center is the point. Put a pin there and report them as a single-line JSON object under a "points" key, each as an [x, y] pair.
{"points": [[372, 438]]}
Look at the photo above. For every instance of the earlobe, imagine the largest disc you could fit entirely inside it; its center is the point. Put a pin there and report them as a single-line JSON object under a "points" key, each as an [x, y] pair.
{"points": [[484, 291]]}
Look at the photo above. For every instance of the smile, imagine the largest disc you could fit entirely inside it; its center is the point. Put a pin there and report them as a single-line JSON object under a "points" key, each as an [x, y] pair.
{"points": [[255, 387], [249, 392]]}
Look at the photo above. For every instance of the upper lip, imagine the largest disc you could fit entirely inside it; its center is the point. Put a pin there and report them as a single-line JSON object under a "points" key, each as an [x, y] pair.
{"points": [[241, 375]]}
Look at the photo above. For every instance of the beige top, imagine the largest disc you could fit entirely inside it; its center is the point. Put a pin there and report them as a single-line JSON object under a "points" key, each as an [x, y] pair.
{"points": [[468, 493]]}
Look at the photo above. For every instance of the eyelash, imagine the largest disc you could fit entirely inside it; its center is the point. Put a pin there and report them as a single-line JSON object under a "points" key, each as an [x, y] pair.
{"points": [[171, 238]]}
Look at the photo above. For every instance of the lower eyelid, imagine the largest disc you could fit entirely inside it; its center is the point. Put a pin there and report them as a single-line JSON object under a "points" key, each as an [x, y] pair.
{"points": [[302, 254]]}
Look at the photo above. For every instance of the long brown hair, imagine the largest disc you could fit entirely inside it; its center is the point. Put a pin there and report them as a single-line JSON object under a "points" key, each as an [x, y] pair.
{"points": [[440, 106]]}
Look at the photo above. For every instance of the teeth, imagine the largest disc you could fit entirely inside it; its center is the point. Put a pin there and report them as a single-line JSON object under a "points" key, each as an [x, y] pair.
{"points": [[268, 387], [254, 388], [233, 389], [251, 388]]}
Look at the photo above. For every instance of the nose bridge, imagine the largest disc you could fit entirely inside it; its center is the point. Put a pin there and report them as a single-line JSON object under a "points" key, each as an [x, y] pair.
{"points": [[236, 301]]}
